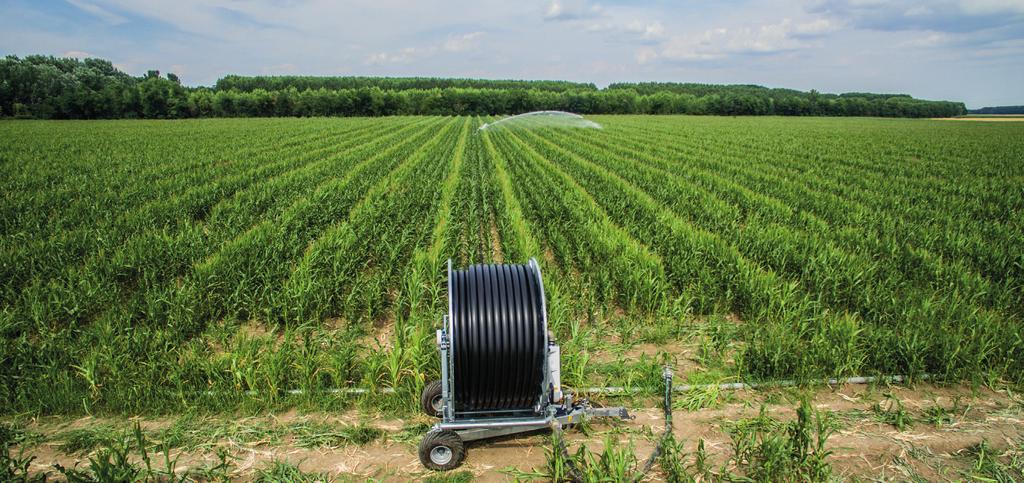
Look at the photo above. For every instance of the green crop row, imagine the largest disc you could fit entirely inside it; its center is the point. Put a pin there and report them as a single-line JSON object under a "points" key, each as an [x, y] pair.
{"points": [[155, 266]]}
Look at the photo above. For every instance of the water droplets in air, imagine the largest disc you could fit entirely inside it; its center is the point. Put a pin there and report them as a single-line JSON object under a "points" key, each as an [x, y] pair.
{"points": [[543, 119]]}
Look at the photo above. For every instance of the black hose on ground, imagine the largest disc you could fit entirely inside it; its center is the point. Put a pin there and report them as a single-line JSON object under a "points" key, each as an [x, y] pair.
{"points": [[667, 374], [574, 474]]}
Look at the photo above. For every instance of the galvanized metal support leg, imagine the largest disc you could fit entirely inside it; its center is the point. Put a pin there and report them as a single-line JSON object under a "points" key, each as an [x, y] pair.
{"points": [[448, 411]]}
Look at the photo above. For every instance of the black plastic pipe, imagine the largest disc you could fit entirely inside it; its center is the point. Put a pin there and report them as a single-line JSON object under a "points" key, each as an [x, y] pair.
{"points": [[499, 337]]}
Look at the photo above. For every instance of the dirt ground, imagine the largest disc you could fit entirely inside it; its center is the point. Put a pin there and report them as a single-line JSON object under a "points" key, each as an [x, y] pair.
{"points": [[863, 446]]}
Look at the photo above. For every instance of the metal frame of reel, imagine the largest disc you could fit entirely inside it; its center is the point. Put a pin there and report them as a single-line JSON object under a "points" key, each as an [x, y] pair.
{"points": [[443, 447]]}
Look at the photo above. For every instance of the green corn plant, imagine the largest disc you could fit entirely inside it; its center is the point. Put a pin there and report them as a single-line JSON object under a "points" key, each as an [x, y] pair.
{"points": [[672, 460], [938, 415], [990, 465], [559, 468], [765, 449], [15, 467], [616, 462], [830, 247], [891, 411]]}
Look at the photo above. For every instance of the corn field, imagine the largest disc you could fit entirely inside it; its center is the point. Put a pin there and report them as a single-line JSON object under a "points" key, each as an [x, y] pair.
{"points": [[161, 265]]}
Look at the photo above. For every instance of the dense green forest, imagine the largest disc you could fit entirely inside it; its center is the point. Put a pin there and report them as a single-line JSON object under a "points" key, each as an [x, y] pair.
{"points": [[277, 83], [46, 87], [998, 110]]}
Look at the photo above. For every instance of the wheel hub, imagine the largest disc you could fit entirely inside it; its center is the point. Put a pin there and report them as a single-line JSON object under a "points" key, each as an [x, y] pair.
{"points": [[441, 455]]}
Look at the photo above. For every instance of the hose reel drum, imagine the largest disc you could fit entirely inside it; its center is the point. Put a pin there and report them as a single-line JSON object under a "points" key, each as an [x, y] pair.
{"points": [[500, 366]]}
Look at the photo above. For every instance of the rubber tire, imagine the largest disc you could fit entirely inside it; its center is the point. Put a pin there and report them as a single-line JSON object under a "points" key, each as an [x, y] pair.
{"points": [[442, 437], [432, 391]]}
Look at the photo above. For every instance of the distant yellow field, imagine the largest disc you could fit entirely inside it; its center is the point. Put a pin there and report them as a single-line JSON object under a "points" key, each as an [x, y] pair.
{"points": [[990, 118]]}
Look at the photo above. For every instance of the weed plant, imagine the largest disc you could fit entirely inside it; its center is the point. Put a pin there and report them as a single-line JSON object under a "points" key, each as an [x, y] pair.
{"points": [[765, 449], [891, 411]]}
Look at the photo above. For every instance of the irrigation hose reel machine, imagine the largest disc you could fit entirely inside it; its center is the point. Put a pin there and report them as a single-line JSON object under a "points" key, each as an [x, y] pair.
{"points": [[500, 366]]}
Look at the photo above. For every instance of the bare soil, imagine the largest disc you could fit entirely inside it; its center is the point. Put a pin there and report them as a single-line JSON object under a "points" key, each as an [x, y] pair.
{"points": [[496, 253], [863, 446]]}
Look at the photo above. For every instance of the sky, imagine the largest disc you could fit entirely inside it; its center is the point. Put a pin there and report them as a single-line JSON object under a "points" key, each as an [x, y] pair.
{"points": [[962, 50]]}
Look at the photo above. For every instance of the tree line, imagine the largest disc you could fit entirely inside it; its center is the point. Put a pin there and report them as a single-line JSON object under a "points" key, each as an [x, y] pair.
{"points": [[283, 82], [998, 110], [45, 87]]}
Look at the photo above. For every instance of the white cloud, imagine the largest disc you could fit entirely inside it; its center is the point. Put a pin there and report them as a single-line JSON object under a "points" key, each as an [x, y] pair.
{"points": [[646, 31], [721, 42], [935, 15], [99, 12], [280, 69], [78, 54], [636, 30], [464, 42], [918, 11], [403, 56], [646, 55], [453, 44], [818, 26], [555, 11], [933, 39], [987, 7], [561, 10], [955, 49]]}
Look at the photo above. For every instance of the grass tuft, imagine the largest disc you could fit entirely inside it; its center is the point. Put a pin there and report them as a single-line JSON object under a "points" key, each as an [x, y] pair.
{"points": [[891, 411], [325, 435]]}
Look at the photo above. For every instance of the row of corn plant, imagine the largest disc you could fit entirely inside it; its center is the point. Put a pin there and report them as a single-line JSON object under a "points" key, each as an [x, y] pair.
{"points": [[152, 307], [620, 270], [234, 282], [959, 352], [128, 254], [909, 253], [107, 161], [967, 222], [725, 280], [880, 293], [59, 352], [46, 254], [845, 281], [153, 266]]}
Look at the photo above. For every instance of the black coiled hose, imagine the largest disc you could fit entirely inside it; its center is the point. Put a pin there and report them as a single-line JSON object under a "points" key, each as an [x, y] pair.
{"points": [[499, 336]]}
